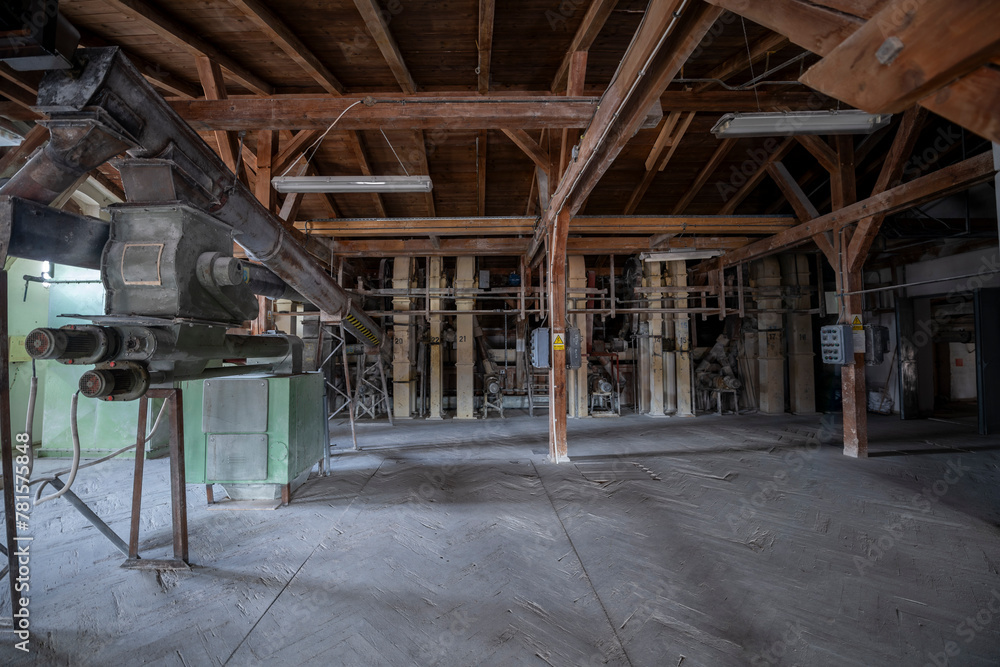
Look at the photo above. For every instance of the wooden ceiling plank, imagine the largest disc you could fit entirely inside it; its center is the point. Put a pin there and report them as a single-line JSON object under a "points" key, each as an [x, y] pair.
{"points": [[675, 140], [926, 54], [663, 139], [180, 35], [371, 12], [593, 21], [286, 39], [487, 11], [723, 149], [653, 168]]}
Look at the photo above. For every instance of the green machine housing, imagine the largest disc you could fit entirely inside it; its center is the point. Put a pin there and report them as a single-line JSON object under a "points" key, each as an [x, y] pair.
{"points": [[253, 433]]}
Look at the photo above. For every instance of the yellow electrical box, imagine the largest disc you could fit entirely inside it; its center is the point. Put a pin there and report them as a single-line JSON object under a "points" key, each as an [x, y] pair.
{"points": [[17, 351]]}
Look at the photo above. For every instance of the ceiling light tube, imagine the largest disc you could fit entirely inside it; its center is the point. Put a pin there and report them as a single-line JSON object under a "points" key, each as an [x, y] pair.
{"points": [[779, 124], [345, 184]]}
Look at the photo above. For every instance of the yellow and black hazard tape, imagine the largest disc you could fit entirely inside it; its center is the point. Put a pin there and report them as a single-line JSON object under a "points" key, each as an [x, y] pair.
{"points": [[365, 331]]}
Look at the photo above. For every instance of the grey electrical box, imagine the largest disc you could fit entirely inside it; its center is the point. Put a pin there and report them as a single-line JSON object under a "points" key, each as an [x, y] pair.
{"points": [[484, 279], [876, 344], [540, 348], [836, 344], [574, 355]]}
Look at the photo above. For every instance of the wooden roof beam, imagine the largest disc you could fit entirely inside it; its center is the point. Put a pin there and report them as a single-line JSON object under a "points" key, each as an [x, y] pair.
{"points": [[180, 35], [530, 148], [723, 149], [661, 47], [358, 147], [593, 21], [890, 175], [968, 101], [514, 247], [955, 178], [892, 62], [804, 209], [371, 12], [215, 89], [487, 10], [779, 151], [286, 39], [654, 164], [515, 226]]}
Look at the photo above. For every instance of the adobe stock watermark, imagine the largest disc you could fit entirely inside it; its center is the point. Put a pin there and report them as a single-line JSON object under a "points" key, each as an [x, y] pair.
{"points": [[921, 503], [967, 631]]}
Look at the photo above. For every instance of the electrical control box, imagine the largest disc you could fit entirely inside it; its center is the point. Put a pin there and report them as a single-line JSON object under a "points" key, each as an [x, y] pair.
{"points": [[540, 348], [836, 344], [574, 355]]}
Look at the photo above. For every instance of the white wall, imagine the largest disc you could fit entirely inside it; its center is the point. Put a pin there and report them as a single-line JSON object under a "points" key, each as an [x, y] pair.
{"points": [[963, 371]]}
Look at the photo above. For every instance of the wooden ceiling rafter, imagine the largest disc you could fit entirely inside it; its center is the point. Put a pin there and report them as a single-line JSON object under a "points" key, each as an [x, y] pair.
{"points": [[822, 31], [487, 12], [371, 12], [720, 153], [590, 27], [286, 39], [661, 46], [181, 35]]}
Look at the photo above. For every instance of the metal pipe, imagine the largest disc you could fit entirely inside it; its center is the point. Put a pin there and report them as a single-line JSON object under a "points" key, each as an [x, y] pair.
{"points": [[169, 161]]}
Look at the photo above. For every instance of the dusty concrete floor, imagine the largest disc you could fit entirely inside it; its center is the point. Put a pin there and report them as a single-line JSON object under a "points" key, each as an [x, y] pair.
{"points": [[709, 541]]}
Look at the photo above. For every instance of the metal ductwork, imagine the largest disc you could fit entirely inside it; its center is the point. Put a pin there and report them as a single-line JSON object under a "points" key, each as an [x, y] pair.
{"points": [[108, 106]]}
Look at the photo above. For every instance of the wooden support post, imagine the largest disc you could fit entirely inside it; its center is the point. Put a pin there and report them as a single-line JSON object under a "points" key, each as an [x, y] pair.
{"points": [[436, 390], [403, 381], [682, 332], [466, 358], [558, 451], [578, 403]]}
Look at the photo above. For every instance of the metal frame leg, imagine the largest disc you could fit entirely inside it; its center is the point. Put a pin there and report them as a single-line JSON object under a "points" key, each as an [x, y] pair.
{"points": [[7, 450], [178, 491]]}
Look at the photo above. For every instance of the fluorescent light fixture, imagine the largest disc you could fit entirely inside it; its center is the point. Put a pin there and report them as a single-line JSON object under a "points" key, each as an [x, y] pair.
{"points": [[339, 184], [781, 124], [678, 255]]}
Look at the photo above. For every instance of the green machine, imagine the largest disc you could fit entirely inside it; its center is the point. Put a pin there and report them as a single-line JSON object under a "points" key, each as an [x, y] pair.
{"points": [[256, 435]]}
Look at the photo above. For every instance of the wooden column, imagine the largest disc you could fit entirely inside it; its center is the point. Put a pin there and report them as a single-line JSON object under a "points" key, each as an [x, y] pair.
{"points": [[843, 191], [654, 380], [577, 378], [682, 330], [801, 375], [403, 394], [436, 376], [465, 363], [557, 320]]}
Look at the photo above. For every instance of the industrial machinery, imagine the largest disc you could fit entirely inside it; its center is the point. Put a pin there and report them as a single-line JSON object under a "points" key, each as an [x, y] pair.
{"points": [[172, 286], [492, 375], [714, 375]]}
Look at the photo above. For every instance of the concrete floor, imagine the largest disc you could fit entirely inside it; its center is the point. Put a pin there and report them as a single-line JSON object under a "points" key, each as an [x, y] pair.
{"points": [[711, 541]]}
